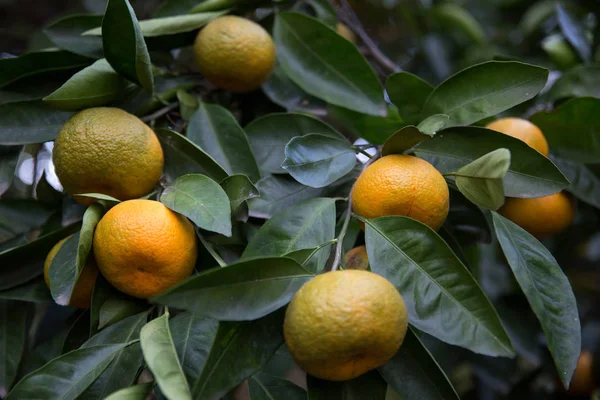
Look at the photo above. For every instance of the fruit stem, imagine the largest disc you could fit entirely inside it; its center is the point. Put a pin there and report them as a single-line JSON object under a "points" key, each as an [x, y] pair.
{"points": [[211, 250], [361, 151], [340, 244]]}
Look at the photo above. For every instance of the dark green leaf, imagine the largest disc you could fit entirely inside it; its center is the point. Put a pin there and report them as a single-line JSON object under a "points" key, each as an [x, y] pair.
{"points": [[114, 309], [530, 173], [12, 69], [184, 157], [585, 185], [193, 337], [202, 200], [66, 33], [374, 129], [102, 292], [174, 7], [188, 104], [408, 92], [270, 134], [161, 357], [485, 90], [216, 130], [282, 91], [481, 180], [239, 350], [574, 32], [369, 386], [246, 290], [123, 44], [34, 291], [573, 129], [403, 140], [317, 160], [548, 291], [141, 102], [536, 15], [442, 297], [414, 373], [579, 81], [13, 335], [29, 122], [137, 392], [326, 65], [8, 163], [239, 188], [324, 12], [267, 387], [93, 86], [66, 377], [452, 17], [21, 216]]}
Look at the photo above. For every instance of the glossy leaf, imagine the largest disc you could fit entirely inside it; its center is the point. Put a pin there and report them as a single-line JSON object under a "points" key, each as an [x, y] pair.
{"points": [[216, 130], [432, 124], [573, 129], [326, 65], [282, 91], [243, 291], [239, 189], [530, 173], [374, 129], [29, 122], [441, 296], [239, 350], [66, 33], [574, 32], [548, 292], [137, 392], [579, 81], [21, 216], [427, 379], [485, 90], [13, 333], [141, 102], [183, 157], [585, 185], [68, 376], [114, 309], [161, 357], [408, 92], [481, 180], [93, 86], [270, 134], [34, 291], [403, 140], [263, 386], [317, 161], [202, 200], [124, 46]]}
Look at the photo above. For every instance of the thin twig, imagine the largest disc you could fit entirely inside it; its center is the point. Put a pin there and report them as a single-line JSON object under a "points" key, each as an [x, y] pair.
{"points": [[347, 15], [212, 251], [362, 151], [340, 244], [160, 113]]}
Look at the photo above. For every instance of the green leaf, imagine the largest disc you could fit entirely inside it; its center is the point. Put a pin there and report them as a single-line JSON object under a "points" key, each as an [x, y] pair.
{"points": [[66, 33], [8, 163], [270, 134], [174, 7], [408, 92], [161, 357], [485, 90], [34, 291], [93, 86], [324, 11], [452, 17], [99, 196], [13, 69], [193, 337], [536, 15], [66, 377], [243, 291], [579, 81], [114, 309], [367, 386], [29, 122], [442, 297], [585, 185], [239, 350], [530, 173], [403, 140], [102, 292], [13, 334], [326, 65], [573, 129], [427, 380], [26, 262], [317, 160], [374, 129], [282, 91], [216, 131], [188, 104], [304, 225], [124, 46], [183, 157], [574, 32], [137, 392], [239, 189], [21, 216], [433, 123], [481, 180], [548, 292], [141, 102], [202, 200], [263, 386]]}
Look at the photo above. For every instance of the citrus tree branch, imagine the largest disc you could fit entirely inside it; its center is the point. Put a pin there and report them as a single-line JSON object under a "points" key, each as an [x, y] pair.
{"points": [[160, 113]]}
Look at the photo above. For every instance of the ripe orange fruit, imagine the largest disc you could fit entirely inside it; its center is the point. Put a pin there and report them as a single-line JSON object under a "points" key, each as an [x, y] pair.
{"points": [[235, 54], [143, 248], [540, 216], [583, 381], [522, 129], [357, 258], [402, 185], [342, 324], [82, 292], [108, 151]]}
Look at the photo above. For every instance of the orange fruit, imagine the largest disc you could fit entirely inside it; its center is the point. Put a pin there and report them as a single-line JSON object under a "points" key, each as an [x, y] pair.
{"points": [[540, 216], [82, 292], [108, 151], [402, 185], [522, 129], [583, 381], [143, 248], [235, 54], [342, 324], [357, 258]]}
